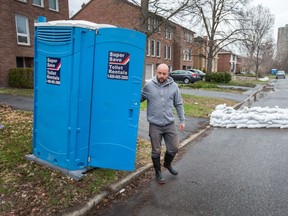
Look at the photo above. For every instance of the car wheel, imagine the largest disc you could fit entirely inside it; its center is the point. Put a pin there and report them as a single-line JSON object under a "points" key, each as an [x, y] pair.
{"points": [[186, 80]]}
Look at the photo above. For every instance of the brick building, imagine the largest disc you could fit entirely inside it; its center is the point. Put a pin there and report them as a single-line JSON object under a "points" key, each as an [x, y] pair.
{"points": [[170, 43], [228, 62], [17, 30]]}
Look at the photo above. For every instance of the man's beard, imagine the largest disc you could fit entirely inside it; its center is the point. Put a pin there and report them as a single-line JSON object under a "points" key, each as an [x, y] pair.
{"points": [[161, 80]]}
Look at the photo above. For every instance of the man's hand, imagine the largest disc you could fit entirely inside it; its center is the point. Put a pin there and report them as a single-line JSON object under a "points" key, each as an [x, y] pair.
{"points": [[181, 127]]}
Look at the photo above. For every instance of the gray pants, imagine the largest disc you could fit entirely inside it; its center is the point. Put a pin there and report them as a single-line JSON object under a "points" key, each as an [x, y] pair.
{"points": [[168, 132]]}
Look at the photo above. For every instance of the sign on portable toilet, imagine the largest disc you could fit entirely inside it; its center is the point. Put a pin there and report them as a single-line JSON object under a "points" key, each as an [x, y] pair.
{"points": [[87, 87]]}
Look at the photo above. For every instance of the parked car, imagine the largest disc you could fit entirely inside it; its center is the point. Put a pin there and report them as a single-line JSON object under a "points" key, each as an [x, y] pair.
{"points": [[199, 72], [184, 76], [280, 74]]}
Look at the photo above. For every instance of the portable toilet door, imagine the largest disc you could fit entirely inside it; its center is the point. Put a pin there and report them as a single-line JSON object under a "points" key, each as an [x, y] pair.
{"points": [[117, 82]]}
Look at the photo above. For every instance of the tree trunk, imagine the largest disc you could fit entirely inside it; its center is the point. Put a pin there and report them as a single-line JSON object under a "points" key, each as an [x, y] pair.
{"points": [[210, 60]]}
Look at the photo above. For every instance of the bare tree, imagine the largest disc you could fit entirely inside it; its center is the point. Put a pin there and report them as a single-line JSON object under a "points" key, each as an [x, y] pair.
{"points": [[220, 19], [161, 10], [257, 35]]}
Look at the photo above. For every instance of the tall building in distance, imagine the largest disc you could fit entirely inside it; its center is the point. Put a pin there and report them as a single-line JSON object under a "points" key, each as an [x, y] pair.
{"points": [[282, 44]]}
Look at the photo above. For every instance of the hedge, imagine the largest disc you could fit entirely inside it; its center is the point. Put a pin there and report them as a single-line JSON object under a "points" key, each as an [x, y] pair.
{"points": [[218, 77], [21, 78]]}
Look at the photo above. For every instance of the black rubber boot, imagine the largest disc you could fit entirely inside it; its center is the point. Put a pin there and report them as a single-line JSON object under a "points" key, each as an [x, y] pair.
{"points": [[157, 167], [167, 163]]}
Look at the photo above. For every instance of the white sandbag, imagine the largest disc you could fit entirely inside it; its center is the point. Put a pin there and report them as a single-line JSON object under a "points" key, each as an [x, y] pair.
{"points": [[231, 125]]}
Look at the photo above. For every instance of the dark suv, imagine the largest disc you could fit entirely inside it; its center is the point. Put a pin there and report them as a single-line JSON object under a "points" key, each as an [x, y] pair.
{"points": [[184, 76]]}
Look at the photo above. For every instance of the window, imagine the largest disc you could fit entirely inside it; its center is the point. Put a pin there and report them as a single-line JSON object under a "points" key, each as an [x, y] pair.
{"points": [[148, 47], [23, 62], [168, 33], [54, 5], [167, 52], [190, 55], [188, 37], [39, 3], [20, 63], [187, 54], [23, 0], [158, 49], [153, 48], [149, 72], [153, 23], [22, 30]]}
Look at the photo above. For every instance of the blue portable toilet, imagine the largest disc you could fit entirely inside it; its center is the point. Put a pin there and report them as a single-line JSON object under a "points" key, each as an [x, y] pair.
{"points": [[87, 87], [273, 71]]}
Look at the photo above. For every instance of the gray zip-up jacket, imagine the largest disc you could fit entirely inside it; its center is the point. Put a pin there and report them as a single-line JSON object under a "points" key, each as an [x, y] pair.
{"points": [[161, 100]]}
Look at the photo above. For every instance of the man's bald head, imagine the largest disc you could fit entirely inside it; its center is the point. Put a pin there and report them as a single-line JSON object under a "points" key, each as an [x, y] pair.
{"points": [[163, 67], [162, 72]]}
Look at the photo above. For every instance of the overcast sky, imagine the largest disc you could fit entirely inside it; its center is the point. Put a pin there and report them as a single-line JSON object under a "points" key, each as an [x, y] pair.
{"points": [[75, 5], [277, 7]]}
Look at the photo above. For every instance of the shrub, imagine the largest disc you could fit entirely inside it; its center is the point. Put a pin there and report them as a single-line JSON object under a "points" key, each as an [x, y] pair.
{"points": [[21, 78], [218, 77]]}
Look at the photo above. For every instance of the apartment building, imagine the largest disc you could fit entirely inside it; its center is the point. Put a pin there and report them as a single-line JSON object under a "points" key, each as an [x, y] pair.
{"points": [[17, 30], [170, 43], [282, 44]]}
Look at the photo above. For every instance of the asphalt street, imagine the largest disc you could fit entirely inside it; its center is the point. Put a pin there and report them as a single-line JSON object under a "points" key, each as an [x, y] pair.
{"points": [[223, 172]]}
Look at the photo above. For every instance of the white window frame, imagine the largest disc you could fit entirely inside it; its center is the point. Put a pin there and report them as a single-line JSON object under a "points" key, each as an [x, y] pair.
{"points": [[187, 54], [153, 48], [190, 55], [41, 3], [56, 4], [149, 74], [168, 33], [148, 48], [167, 52], [158, 48], [188, 37], [184, 53], [23, 1], [152, 24], [149, 24], [156, 23], [27, 35]]}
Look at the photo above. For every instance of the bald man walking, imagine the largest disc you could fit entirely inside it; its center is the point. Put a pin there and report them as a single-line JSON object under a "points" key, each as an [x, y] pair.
{"points": [[162, 95]]}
